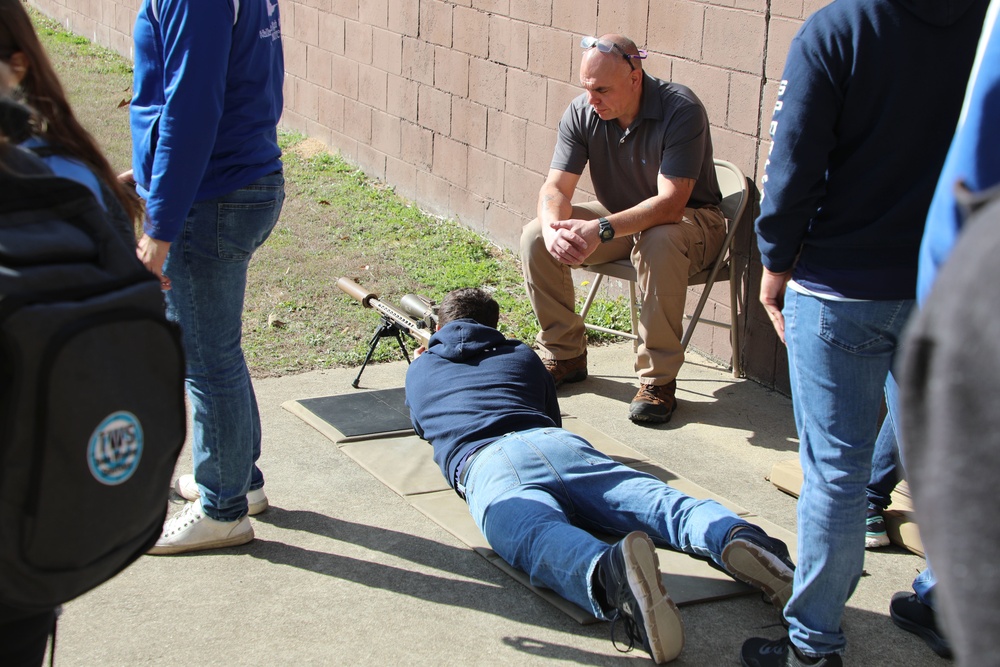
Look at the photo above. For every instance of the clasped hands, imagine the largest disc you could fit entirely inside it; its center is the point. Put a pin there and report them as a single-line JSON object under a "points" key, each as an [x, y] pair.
{"points": [[571, 241]]}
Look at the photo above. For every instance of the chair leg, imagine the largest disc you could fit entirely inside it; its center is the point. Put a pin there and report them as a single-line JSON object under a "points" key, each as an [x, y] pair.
{"points": [[734, 319], [590, 295], [634, 312]]}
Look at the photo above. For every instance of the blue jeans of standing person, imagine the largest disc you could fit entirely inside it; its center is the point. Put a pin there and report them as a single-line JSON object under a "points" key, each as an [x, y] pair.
{"points": [[535, 495], [885, 460], [207, 267], [839, 355]]}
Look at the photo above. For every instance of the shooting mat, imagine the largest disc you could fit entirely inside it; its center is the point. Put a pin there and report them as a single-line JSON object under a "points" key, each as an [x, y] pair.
{"points": [[373, 429], [899, 522]]}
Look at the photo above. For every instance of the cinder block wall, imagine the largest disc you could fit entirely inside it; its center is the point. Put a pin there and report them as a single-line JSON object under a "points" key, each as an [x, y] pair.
{"points": [[455, 102]]}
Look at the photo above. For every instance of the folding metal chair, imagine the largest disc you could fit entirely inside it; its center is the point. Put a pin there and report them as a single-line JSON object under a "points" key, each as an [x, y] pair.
{"points": [[733, 184]]}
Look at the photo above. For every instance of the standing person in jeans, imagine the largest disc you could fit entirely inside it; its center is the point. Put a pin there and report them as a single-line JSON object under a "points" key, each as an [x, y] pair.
{"points": [[205, 157], [488, 407], [846, 193]]}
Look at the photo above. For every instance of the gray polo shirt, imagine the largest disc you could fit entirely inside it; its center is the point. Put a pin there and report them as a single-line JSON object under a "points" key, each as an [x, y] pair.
{"points": [[670, 136]]}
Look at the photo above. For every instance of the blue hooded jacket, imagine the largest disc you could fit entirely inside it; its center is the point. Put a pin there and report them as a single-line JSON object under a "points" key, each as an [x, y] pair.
{"points": [[206, 103], [473, 386], [867, 106]]}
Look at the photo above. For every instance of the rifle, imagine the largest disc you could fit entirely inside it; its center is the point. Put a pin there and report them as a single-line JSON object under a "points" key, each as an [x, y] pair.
{"points": [[394, 323]]}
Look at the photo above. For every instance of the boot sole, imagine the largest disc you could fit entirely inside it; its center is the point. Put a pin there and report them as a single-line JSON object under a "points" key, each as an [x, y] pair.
{"points": [[751, 565], [664, 627]]}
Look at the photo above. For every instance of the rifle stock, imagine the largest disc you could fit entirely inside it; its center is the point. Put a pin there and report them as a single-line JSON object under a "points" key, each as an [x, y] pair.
{"points": [[371, 300]]}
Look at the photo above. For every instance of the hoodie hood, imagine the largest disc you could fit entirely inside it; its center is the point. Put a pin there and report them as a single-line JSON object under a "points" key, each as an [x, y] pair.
{"points": [[462, 340], [937, 12]]}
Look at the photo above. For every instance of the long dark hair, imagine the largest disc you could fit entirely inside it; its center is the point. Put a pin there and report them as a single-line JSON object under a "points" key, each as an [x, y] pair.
{"points": [[41, 90]]}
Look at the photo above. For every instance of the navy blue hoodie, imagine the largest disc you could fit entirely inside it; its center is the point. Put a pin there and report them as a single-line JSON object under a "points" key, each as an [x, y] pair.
{"points": [[867, 106], [473, 386]]}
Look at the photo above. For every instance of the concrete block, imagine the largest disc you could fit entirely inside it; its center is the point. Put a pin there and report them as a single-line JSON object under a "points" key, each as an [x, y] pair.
{"points": [[451, 160], [387, 51], [509, 41], [306, 24], [401, 176], [319, 66], [740, 149], [488, 83], [418, 60], [374, 13], [577, 16], [468, 122], [550, 52], [358, 120], [344, 77], [295, 57], [467, 207], [786, 8], [521, 188], [436, 22], [779, 38], [504, 226], [486, 174], [331, 33], [401, 97], [532, 11], [734, 39], [626, 18], [501, 7], [330, 106], [505, 136], [404, 17], [433, 193], [416, 145], [434, 109], [470, 31], [346, 8], [385, 132], [526, 95], [676, 26], [358, 42], [451, 71], [557, 97], [539, 143], [744, 103]]}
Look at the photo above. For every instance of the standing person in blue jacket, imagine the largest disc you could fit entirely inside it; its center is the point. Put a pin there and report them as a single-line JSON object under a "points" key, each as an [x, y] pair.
{"points": [[858, 140], [949, 366], [488, 407], [205, 157]]}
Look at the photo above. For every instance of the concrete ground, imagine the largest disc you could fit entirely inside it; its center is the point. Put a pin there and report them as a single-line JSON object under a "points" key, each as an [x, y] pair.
{"points": [[344, 572]]}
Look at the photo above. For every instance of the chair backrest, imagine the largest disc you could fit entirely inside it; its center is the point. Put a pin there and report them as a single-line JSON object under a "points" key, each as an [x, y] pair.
{"points": [[733, 184]]}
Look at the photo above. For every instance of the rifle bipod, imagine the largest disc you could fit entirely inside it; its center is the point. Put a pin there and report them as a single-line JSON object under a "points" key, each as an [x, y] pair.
{"points": [[389, 328]]}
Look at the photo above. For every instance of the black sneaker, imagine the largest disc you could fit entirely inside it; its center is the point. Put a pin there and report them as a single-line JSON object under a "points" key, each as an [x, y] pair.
{"points": [[912, 615], [762, 561], [630, 574], [875, 535], [758, 652]]}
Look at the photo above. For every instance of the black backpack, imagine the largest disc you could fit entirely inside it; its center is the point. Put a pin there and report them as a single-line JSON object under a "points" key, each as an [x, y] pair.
{"points": [[92, 412]]}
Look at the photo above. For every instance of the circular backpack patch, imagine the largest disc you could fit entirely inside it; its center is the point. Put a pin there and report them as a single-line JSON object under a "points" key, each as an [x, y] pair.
{"points": [[115, 448]]}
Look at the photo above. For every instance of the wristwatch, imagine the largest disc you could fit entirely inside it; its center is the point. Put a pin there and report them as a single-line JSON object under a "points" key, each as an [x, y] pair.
{"points": [[607, 231]]}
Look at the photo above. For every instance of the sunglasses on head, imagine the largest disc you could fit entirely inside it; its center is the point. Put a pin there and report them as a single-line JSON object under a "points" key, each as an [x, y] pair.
{"points": [[604, 46]]}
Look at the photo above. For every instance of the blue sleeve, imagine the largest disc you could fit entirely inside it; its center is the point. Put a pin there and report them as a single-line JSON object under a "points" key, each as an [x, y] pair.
{"points": [[802, 137], [196, 36], [972, 159]]}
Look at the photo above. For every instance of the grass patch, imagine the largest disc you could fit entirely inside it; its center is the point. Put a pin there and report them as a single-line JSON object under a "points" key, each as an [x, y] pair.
{"points": [[335, 222]]}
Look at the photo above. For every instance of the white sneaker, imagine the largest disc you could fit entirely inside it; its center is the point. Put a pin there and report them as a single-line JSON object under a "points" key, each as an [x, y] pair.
{"points": [[186, 488], [192, 530]]}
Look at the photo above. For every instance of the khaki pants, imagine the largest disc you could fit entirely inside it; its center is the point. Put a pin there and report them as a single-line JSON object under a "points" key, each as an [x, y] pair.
{"points": [[664, 256]]}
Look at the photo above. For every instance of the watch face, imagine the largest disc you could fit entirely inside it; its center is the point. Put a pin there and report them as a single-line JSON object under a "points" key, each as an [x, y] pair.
{"points": [[607, 232]]}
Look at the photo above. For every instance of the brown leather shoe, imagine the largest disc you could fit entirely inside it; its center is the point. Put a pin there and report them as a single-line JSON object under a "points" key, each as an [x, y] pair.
{"points": [[653, 404], [567, 370]]}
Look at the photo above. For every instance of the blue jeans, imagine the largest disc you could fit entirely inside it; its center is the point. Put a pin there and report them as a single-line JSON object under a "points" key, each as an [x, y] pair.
{"points": [[839, 355], [535, 495], [885, 460], [207, 267]]}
